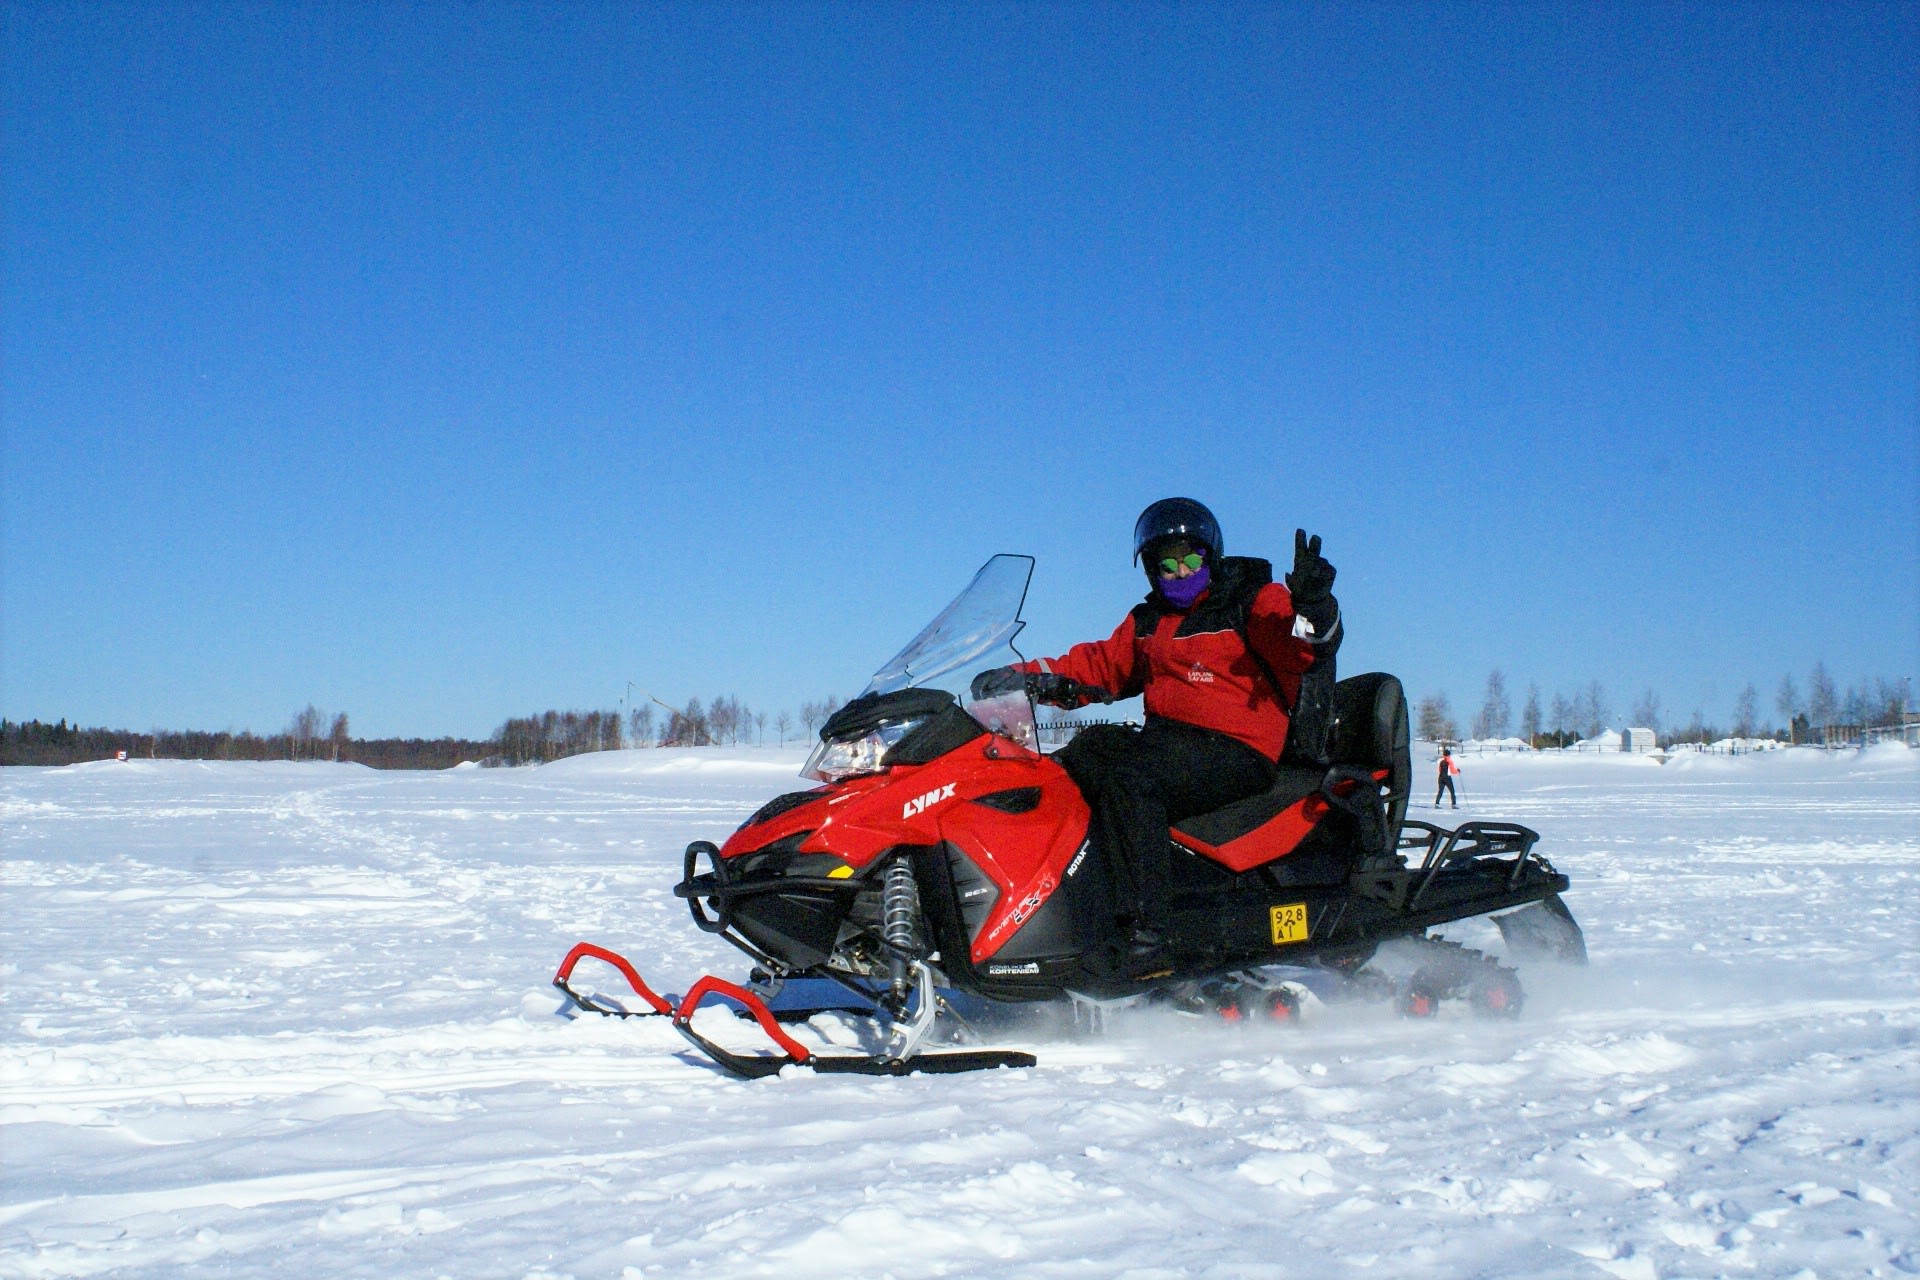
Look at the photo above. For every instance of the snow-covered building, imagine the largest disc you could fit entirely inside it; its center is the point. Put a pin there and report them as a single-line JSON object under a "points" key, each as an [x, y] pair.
{"points": [[1640, 742]]}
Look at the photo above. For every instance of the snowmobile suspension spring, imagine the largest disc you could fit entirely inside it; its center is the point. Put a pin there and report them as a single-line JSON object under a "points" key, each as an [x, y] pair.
{"points": [[900, 908]]}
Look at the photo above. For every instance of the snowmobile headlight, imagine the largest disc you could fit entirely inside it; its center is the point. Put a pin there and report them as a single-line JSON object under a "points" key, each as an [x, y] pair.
{"points": [[849, 757]]}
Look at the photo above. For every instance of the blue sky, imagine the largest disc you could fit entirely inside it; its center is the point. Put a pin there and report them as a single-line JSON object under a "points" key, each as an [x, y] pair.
{"points": [[441, 363]]}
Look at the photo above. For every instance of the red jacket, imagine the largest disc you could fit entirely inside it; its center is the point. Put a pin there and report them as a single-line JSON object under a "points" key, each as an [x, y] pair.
{"points": [[1192, 664]]}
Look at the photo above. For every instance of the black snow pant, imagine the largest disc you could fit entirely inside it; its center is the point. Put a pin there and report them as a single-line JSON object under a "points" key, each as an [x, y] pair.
{"points": [[1140, 783], [1446, 789]]}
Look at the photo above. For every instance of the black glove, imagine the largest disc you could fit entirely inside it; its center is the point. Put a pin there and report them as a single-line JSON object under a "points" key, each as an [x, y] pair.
{"points": [[1312, 578], [1057, 690], [1044, 686], [997, 682]]}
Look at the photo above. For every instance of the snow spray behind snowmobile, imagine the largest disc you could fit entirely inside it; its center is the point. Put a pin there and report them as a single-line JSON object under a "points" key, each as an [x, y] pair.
{"points": [[946, 868]]}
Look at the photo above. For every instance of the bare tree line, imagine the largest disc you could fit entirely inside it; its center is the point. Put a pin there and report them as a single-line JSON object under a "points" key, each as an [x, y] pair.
{"points": [[1823, 715], [33, 742], [313, 734], [554, 735], [722, 721], [305, 740]]}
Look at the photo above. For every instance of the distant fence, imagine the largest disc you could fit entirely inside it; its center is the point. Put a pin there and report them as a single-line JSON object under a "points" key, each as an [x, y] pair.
{"points": [[1908, 733], [1057, 732], [1851, 740]]}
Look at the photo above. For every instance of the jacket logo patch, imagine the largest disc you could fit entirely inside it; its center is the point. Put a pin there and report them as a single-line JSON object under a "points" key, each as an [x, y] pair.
{"points": [[920, 804], [1198, 674]]}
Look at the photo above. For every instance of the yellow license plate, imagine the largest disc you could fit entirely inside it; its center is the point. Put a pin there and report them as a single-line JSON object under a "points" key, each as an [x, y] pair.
{"points": [[1289, 923]]}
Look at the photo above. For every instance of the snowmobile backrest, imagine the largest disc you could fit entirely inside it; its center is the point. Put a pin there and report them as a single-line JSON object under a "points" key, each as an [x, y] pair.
{"points": [[1370, 731]]}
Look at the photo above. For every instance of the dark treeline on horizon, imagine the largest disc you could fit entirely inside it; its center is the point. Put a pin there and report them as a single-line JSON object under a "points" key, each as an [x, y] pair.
{"points": [[33, 742], [313, 735]]}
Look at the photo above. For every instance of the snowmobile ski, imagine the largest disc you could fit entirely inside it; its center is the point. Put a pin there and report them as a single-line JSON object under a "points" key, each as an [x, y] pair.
{"points": [[904, 1061]]}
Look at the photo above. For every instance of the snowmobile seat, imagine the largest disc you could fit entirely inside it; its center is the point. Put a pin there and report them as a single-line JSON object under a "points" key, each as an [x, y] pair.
{"points": [[1312, 823]]}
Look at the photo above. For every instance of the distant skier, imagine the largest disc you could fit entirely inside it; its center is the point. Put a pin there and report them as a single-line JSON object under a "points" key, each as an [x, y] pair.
{"points": [[1449, 770]]}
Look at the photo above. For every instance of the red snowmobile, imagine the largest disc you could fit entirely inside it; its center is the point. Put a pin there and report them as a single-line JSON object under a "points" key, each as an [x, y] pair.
{"points": [[944, 874]]}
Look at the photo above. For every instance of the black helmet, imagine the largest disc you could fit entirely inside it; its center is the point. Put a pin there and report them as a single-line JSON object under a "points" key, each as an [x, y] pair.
{"points": [[1177, 518]]}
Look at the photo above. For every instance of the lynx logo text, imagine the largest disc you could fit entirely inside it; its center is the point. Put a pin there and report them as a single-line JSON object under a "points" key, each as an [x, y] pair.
{"points": [[920, 804]]}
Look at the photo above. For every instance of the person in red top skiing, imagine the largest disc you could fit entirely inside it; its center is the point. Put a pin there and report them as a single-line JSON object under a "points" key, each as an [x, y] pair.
{"points": [[1222, 655], [1449, 770]]}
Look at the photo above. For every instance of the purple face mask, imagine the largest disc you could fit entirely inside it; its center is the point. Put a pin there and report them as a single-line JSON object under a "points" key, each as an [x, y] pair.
{"points": [[1182, 592]]}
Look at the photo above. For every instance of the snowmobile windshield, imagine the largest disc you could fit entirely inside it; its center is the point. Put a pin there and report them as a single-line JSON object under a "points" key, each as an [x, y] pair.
{"points": [[969, 635], [972, 634]]}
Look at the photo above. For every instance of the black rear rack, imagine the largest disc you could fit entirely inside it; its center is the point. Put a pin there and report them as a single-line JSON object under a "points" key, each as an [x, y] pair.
{"points": [[1497, 855], [1470, 842]]}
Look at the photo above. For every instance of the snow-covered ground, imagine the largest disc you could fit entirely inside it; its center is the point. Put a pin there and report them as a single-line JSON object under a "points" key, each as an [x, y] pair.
{"points": [[294, 1020]]}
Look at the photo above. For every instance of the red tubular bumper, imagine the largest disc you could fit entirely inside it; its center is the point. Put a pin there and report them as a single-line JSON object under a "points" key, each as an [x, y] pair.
{"points": [[583, 950]]}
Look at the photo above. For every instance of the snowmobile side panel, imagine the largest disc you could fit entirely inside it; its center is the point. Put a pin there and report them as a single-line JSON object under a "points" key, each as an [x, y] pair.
{"points": [[1022, 846], [940, 869]]}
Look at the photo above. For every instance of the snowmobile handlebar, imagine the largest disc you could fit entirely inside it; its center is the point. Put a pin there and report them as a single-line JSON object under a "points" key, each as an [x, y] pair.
{"points": [[1061, 691], [1068, 693], [1042, 686]]}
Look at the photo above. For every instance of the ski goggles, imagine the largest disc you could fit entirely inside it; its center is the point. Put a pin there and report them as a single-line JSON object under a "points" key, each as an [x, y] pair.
{"points": [[1170, 565]]}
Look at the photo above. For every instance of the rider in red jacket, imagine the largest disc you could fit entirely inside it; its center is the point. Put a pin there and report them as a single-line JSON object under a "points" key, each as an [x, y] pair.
{"points": [[1218, 649]]}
